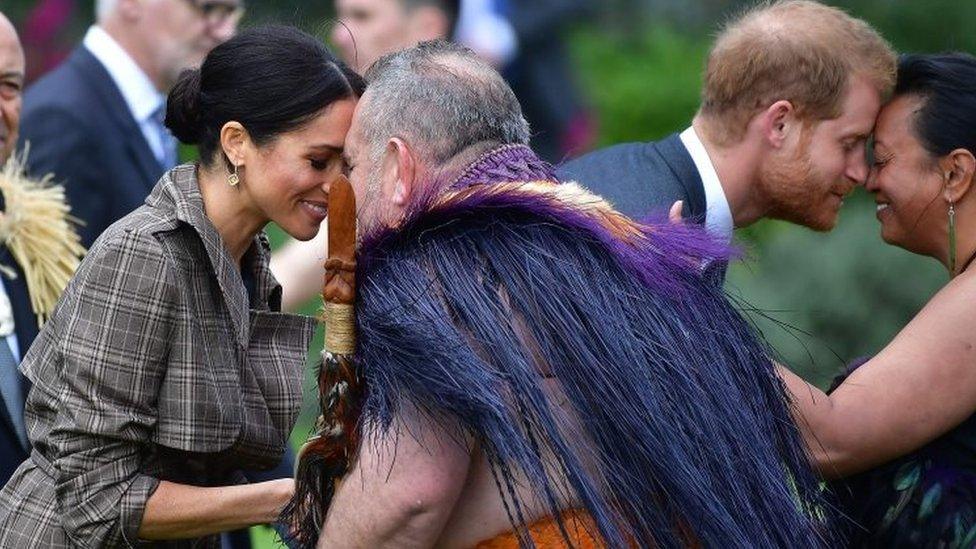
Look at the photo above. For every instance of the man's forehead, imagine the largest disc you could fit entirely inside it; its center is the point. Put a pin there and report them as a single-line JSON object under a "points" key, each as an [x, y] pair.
{"points": [[358, 116], [11, 52], [859, 124], [11, 59], [859, 110], [862, 102]]}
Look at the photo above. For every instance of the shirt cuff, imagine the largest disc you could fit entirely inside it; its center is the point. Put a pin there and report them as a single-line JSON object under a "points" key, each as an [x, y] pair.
{"points": [[133, 506]]}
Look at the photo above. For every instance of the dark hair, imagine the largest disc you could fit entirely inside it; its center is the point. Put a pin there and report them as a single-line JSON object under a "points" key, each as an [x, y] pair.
{"points": [[271, 79], [947, 85]]}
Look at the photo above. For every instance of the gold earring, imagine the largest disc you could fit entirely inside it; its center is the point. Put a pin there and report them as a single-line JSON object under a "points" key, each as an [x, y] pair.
{"points": [[952, 240], [232, 178]]}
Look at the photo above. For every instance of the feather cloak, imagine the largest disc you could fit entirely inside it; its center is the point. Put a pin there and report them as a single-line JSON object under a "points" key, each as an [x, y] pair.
{"points": [[483, 292]]}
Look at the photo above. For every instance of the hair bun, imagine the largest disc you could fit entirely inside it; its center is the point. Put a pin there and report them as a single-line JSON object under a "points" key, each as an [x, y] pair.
{"points": [[183, 108]]}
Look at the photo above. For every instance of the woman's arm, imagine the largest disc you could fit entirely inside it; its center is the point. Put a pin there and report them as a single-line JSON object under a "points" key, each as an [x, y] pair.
{"points": [[177, 511], [916, 389], [115, 335]]}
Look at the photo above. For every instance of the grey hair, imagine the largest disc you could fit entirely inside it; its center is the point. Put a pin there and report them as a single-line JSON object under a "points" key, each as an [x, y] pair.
{"points": [[103, 8], [443, 98]]}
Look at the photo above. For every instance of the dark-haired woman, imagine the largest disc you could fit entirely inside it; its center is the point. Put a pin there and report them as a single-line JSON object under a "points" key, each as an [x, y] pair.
{"points": [[166, 367], [904, 423]]}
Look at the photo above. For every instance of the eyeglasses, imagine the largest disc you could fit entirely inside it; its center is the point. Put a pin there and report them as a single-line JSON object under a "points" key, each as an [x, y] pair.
{"points": [[218, 13]]}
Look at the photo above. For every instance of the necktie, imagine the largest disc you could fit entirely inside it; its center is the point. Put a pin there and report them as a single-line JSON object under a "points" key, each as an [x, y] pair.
{"points": [[165, 138], [12, 390]]}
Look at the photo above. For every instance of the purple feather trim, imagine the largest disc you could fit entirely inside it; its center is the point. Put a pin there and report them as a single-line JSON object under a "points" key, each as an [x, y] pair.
{"points": [[506, 163]]}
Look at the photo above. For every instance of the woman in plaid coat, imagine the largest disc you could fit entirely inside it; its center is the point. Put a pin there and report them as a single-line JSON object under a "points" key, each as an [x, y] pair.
{"points": [[166, 367]]}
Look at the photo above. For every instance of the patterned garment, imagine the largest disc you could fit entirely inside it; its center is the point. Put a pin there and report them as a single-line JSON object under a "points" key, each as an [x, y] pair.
{"points": [[916, 502], [924, 500], [155, 365]]}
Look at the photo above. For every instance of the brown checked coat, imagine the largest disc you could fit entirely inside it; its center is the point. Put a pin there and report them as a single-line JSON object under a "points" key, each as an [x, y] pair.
{"points": [[157, 364]]}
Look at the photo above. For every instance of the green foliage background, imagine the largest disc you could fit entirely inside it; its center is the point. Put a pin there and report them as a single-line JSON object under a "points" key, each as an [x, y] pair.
{"points": [[820, 299]]}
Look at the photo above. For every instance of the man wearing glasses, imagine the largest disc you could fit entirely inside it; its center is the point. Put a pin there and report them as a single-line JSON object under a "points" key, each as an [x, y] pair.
{"points": [[96, 121]]}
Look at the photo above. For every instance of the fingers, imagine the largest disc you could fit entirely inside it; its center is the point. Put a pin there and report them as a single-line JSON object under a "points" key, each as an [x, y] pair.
{"points": [[674, 214]]}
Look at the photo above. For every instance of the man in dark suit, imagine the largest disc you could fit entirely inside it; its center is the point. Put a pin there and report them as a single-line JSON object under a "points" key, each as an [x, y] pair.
{"points": [[13, 433], [790, 94], [18, 312], [96, 122], [14, 301]]}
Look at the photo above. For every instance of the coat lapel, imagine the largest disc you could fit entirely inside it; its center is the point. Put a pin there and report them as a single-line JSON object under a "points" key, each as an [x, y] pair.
{"points": [[679, 161], [268, 291], [180, 187], [117, 110]]}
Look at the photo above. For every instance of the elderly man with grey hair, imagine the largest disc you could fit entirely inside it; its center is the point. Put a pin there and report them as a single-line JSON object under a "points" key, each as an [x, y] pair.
{"points": [[416, 130], [96, 121], [530, 363]]}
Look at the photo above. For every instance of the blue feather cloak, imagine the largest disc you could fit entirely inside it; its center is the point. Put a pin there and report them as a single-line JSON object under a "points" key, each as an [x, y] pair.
{"points": [[482, 294]]}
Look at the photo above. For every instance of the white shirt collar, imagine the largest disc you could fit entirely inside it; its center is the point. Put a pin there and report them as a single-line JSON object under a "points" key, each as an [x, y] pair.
{"points": [[7, 312], [718, 214], [137, 89]]}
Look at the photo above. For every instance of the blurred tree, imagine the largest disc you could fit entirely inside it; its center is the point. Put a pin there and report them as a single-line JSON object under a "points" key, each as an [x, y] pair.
{"points": [[643, 85]]}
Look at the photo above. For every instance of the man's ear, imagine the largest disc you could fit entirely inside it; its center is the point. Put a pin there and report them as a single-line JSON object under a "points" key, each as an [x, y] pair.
{"points": [[777, 122], [429, 23], [958, 168], [233, 141], [399, 171]]}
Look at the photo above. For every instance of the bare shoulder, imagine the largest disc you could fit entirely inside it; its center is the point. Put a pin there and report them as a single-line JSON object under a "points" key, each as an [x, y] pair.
{"points": [[956, 301]]}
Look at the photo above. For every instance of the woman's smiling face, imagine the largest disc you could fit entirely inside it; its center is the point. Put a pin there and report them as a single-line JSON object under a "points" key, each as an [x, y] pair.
{"points": [[906, 181], [288, 178]]}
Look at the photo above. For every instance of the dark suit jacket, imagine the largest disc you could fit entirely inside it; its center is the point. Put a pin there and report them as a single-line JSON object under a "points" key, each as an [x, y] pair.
{"points": [[80, 129], [12, 453], [642, 179], [645, 179]]}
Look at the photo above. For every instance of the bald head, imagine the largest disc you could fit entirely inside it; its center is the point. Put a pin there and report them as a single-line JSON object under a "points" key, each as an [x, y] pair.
{"points": [[11, 86]]}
